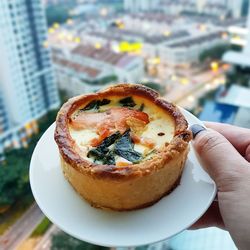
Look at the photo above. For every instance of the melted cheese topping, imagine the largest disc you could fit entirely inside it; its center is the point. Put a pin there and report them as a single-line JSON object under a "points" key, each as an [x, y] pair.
{"points": [[160, 129]]}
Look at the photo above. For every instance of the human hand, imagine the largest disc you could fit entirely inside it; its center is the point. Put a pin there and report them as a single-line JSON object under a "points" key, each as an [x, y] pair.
{"points": [[224, 151]]}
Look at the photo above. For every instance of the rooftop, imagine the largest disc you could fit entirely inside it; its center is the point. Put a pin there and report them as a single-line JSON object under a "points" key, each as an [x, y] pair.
{"points": [[127, 32], [237, 58], [104, 55], [106, 35], [215, 5], [162, 38], [226, 113], [196, 40], [79, 68], [198, 17], [184, 3], [216, 112], [230, 21], [237, 96], [155, 16], [121, 35]]}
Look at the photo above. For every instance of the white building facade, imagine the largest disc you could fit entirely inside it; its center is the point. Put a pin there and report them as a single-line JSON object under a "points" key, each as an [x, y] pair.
{"points": [[27, 85], [188, 51], [141, 5], [127, 68], [89, 69]]}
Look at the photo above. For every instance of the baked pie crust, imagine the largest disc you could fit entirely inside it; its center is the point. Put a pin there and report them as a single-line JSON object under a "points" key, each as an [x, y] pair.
{"points": [[130, 185]]}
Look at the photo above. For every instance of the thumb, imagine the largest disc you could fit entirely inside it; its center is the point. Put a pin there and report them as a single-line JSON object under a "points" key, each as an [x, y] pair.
{"points": [[218, 156]]}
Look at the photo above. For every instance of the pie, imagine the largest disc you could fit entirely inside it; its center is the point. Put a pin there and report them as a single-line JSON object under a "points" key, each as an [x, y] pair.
{"points": [[122, 148]]}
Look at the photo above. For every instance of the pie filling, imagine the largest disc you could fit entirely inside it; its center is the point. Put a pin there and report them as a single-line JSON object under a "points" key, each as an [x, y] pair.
{"points": [[120, 130]]}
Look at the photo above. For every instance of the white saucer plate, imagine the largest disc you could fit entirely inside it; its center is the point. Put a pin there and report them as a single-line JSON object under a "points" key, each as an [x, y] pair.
{"points": [[65, 208]]}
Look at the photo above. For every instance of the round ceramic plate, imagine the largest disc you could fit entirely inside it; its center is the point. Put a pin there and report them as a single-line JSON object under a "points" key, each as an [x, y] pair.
{"points": [[65, 208]]}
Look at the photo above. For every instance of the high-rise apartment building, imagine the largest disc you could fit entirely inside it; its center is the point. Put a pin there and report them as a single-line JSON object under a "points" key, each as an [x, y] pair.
{"points": [[27, 86], [4, 120]]}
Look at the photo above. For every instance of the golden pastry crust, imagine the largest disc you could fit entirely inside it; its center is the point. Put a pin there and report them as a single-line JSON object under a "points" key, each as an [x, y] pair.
{"points": [[122, 188]]}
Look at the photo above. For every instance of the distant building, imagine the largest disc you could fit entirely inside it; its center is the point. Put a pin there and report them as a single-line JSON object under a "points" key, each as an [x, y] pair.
{"points": [[141, 5], [152, 23], [188, 50], [201, 7], [89, 69], [27, 86], [127, 68], [241, 59], [231, 107], [237, 96], [82, 78], [55, 2], [226, 113], [219, 8], [236, 7], [176, 7], [102, 38], [152, 45], [200, 4]]}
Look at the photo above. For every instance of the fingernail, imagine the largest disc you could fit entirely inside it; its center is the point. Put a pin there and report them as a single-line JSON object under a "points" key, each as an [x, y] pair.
{"points": [[196, 129]]}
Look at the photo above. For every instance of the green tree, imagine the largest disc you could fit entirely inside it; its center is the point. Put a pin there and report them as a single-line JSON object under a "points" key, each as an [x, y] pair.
{"points": [[214, 53], [239, 78], [108, 79], [102, 81], [14, 180], [14, 170], [62, 241], [59, 12]]}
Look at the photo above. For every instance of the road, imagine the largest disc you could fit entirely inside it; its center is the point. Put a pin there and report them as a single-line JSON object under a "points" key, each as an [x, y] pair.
{"points": [[21, 229], [45, 242], [190, 98], [186, 96]]}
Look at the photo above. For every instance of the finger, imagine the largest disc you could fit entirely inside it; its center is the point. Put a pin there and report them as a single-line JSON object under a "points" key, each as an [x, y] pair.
{"points": [[212, 218], [217, 155], [239, 137]]}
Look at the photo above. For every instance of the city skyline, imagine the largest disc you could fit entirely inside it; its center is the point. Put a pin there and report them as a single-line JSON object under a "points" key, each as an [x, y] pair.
{"points": [[195, 53]]}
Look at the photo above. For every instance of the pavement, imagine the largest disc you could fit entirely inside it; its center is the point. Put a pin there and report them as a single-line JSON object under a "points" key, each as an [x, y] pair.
{"points": [[22, 228]]}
